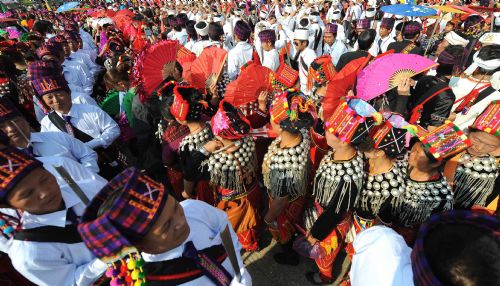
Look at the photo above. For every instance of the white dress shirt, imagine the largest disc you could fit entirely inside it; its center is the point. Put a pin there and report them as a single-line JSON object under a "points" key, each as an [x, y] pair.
{"points": [[199, 46], [78, 76], [381, 44], [381, 258], [271, 59], [335, 51], [50, 264], [205, 223], [91, 120], [241, 54], [180, 36], [306, 57], [61, 144]]}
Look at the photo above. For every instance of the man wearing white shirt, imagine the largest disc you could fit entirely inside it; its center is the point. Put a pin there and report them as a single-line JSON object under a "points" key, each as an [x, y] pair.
{"points": [[474, 92], [46, 248], [303, 56], [270, 57], [242, 53], [333, 46], [43, 144], [381, 258], [89, 119], [192, 235], [179, 28], [202, 30], [384, 37]]}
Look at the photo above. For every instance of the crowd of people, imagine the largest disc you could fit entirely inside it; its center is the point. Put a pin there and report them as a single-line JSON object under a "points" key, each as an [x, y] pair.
{"points": [[154, 142]]}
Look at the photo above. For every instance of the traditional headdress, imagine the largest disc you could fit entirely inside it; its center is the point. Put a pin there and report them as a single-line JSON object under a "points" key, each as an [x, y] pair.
{"points": [[336, 15], [412, 28], [387, 23], [291, 110], [301, 34], [267, 36], [473, 25], [444, 141], [201, 28], [47, 85], [422, 271], [229, 123], [363, 24], [352, 120], [331, 28], [8, 110], [107, 228], [14, 166], [49, 49], [187, 104], [40, 69], [320, 71], [390, 136], [242, 30], [489, 120]]}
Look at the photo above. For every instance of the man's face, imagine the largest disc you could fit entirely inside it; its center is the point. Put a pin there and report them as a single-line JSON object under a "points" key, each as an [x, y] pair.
{"points": [[300, 45], [267, 46], [37, 193], [448, 28], [418, 158], [59, 101], [329, 38], [17, 130], [483, 143], [169, 231], [384, 32]]}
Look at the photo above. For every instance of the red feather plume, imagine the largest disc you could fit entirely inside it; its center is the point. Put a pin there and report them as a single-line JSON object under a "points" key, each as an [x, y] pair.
{"points": [[253, 79], [342, 82]]}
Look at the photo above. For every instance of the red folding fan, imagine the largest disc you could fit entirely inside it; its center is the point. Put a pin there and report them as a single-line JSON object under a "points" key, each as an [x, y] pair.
{"points": [[253, 79], [156, 61], [342, 82], [207, 67]]}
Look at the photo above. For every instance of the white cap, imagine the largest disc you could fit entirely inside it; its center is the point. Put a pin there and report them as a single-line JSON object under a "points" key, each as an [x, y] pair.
{"points": [[301, 34], [314, 18], [336, 15], [217, 18], [288, 9], [490, 39], [201, 28], [263, 14], [455, 39], [370, 12], [393, 2], [306, 26]]}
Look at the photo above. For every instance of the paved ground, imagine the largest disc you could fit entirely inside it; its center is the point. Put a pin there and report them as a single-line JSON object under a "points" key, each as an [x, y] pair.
{"points": [[266, 272]]}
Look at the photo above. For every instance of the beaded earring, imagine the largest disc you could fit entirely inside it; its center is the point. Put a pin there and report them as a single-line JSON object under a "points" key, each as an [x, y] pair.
{"points": [[4, 87], [127, 273]]}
